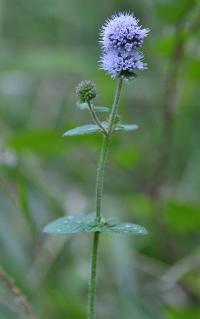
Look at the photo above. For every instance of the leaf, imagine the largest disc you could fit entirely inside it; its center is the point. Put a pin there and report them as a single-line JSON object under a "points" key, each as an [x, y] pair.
{"points": [[100, 109], [89, 224], [83, 130], [93, 128], [65, 225], [126, 127], [126, 228]]}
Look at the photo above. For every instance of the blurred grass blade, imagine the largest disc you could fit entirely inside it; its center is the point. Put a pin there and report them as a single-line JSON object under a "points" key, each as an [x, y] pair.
{"points": [[24, 201]]}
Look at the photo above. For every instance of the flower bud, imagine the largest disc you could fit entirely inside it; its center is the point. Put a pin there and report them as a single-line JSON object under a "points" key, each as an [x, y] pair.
{"points": [[86, 91]]}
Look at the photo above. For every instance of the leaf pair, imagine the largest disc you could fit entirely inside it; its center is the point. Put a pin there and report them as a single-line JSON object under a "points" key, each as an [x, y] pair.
{"points": [[93, 128], [89, 224]]}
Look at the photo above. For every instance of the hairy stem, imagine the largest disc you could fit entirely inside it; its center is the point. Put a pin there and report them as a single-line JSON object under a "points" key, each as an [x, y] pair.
{"points": [[99, 192], [104, 149], [115, 106], [100, 176], [92, 287]]}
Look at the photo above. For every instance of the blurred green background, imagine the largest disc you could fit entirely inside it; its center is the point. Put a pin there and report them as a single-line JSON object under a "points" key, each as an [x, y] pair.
{"points": [[152, 176]]}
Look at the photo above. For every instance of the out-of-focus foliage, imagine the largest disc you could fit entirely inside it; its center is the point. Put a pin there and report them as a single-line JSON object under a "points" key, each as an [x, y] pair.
{"points": [[153, 173]]}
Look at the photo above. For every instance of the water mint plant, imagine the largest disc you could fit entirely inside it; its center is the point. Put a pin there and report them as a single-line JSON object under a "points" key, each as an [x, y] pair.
{"points": [[121, 39]]}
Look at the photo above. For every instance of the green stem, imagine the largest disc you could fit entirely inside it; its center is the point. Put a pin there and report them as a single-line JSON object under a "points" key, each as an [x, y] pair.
{"points": [[104, 149], [92, 287], [99, 192], [96, 119], [100, 176], [115, 106]]}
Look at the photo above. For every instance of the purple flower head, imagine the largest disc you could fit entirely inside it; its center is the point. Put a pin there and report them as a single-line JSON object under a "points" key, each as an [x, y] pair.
{"points": [[122, 32], [122, 63]]}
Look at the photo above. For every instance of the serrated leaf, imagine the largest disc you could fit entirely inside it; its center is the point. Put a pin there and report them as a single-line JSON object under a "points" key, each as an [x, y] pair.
{"points": [[83, 130], [126, 127], [100, 109], [88, 223]]}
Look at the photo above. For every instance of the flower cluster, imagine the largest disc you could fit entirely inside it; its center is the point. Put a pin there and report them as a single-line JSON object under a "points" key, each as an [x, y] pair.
{"points": [[121, 38], [86, 91]]}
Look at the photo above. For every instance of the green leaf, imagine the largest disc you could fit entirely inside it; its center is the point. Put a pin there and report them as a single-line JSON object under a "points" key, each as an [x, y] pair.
{"points": [[89, 224], [100, 109], [93, 128], [83, 130], [126, 228], [126, 127], [65, 225]]}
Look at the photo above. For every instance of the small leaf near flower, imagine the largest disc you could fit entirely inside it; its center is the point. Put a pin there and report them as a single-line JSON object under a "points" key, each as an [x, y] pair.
{"points": [[100, 109]]}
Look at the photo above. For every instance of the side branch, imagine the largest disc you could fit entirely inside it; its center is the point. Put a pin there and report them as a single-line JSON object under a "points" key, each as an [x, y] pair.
{"points": [[96, 119]]}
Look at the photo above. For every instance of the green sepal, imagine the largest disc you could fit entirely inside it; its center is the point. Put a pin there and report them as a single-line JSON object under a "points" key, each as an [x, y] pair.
{"points": [[99, 109], [129, 77], [89, 224]]}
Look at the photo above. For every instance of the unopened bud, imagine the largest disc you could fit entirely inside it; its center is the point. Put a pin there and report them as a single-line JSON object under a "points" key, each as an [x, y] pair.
{"points": [[86, 91]]}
